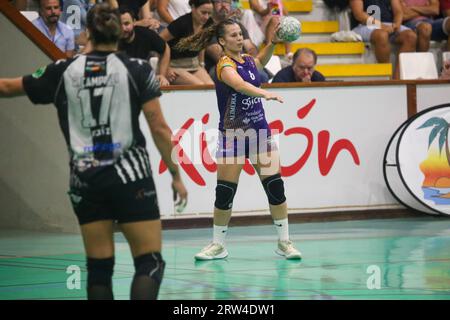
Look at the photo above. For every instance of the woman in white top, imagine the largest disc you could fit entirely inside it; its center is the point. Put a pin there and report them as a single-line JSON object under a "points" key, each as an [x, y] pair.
{"points": [[267, 15], [170, 10]]}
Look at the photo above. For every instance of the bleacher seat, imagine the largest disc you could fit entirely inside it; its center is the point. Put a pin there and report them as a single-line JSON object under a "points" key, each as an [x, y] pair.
{"points": [[30, 15], [445, 56], [153, 61], [417, 65], [274, 64], [291, 6]]}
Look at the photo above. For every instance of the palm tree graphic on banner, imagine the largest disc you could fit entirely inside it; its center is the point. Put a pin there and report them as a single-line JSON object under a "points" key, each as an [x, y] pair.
{"points": [[436, 167]]}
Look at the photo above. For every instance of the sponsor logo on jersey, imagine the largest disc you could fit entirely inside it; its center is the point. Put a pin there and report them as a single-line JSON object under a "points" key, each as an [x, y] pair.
{"points": [[143, 193], [39, 72]]}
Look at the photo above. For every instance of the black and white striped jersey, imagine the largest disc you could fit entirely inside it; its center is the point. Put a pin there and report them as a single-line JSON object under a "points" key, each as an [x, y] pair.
{"points": [[99, 97]]}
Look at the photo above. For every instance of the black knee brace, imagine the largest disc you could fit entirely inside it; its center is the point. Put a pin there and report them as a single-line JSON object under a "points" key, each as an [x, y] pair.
{"points": [[100, 271], [150, 264], [225, 192], [274, 188]]}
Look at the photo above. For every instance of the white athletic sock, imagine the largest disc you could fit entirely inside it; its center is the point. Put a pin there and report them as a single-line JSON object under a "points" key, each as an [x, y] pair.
{"points": [[282, 227], [219, 234]]}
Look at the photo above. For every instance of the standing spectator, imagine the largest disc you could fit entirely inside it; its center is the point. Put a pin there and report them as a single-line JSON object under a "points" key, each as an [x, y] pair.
{"points": [[48, 23], [140, 42], [381, 33], [170, 10], [418, 15], [302, 68], [188, 66]]}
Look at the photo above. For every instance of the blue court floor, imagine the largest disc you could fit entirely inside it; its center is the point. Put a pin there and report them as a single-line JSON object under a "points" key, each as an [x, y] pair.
{"points": [[405, 258]]}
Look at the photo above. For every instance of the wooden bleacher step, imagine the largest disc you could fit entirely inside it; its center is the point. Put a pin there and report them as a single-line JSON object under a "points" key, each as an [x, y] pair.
{"points": [[313, 27], [291, 6], [325, 48], [355, 70]]}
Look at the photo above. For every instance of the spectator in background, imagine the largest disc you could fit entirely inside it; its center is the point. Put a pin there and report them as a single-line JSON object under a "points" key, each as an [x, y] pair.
{"points": [[268, 13], [188, 66], [302, 68], [141, 10], [48, 23], [170, 10], [221, 10], [380, 33], [140, 42], [445, 71], [445, 7], [74, 14], [418, 15]]}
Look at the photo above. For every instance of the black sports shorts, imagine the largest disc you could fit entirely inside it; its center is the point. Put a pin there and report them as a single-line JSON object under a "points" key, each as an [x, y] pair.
{"points": [[131, 202]]}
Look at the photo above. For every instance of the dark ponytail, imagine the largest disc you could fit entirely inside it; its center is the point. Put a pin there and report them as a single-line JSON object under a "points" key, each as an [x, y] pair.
{"points": [[103, 23], [200, 40]]}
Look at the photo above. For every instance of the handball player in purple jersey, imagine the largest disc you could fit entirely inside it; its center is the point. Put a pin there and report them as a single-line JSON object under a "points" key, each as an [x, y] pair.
{"points": [[243, 134]]}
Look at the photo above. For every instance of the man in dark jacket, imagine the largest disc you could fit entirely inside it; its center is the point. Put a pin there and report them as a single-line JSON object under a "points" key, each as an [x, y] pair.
{"points": [[302, 68]]}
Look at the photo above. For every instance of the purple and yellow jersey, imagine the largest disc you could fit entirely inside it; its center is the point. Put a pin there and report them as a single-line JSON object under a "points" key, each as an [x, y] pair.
{"points": [[237, 110]]}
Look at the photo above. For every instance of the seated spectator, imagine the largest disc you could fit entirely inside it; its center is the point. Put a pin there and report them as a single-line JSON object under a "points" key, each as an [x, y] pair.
{"points": [[140, 42], [187, 66], [48, 23], [170, 10], [221, 10], [141, 10], [445, 71], [246, 18], [74, 14], [445, 7], [268, 14], [418, 15], [302, 68], [381, 33]]}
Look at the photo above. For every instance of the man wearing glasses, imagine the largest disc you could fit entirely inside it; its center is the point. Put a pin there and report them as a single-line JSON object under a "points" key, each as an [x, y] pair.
{"points": [[302, 68]]}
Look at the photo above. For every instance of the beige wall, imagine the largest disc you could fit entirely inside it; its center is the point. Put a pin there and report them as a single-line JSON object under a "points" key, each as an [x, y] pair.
{"points": [[33, 157]]}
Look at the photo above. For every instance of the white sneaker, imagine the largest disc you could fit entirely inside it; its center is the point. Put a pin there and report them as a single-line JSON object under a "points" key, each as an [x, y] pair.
{"points": [[287, 249], [212, 251]]}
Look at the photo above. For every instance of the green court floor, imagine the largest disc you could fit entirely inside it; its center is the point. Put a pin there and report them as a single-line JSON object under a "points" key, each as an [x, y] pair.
{"points": [[406, 258]]}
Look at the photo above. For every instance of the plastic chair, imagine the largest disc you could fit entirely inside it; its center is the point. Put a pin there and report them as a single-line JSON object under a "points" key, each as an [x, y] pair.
{"points": [[30, 15], [445, 56], [274, 65], [153, 61], [417, 65]]}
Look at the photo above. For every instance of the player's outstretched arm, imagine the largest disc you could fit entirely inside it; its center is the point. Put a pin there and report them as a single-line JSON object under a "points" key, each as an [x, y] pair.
{"points": [[234, 80], [11, 87], [266, 53]]}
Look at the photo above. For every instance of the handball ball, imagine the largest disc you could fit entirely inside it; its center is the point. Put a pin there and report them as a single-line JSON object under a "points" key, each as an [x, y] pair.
{"points": [[290, 29]]}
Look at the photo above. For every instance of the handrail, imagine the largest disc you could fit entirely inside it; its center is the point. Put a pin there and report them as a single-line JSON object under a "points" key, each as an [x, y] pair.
{"points": [[27, 28], [317, 84]]}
